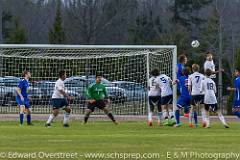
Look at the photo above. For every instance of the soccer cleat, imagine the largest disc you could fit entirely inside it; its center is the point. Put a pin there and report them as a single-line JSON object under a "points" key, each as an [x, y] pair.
{"points": [[177, 125], [30, 124], [226, 126], [150, 123], [115, 122], [191, 125], [66, 125], [186, 115], [165, 122], [204, 124], [172, 122], [47, 125]]}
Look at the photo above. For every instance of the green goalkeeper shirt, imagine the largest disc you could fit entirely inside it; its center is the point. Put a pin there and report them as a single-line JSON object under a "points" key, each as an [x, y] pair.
{"points": [[97, 91]]}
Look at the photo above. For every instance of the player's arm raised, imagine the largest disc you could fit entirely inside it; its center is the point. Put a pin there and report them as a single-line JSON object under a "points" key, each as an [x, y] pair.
{"points": [[231, 89]]}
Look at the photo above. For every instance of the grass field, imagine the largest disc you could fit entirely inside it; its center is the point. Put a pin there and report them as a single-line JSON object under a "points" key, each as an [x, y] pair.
{"points": [[105, 137]]}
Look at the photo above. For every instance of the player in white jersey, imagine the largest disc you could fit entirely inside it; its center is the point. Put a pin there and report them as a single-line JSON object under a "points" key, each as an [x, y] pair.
{"points": [[209, 64], [59, 101], [197, 96], [165, 84], [154, 96], [210, 100]]}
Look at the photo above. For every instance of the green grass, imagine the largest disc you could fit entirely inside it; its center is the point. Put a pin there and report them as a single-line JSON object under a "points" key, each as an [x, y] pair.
{"points": [[129, 137]]}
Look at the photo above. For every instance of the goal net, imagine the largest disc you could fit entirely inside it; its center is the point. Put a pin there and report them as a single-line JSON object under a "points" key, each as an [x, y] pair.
{"points": [[125, 70]]}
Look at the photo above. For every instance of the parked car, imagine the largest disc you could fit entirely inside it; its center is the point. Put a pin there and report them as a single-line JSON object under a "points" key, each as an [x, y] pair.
{"points": [[47, 88], [134, 91], [8, 86]]}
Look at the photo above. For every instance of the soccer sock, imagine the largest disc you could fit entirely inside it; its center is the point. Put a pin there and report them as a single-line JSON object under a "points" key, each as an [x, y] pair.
{"points": [[28, 118], [171, 114], [195, 117], [177, 116], [21, 117], [150, 116], [207, 120], [51, 117], [222, 119], [165, 114], [237, 114], [110, 115], [86, 118], [203, 114], [186, 109], [66, 118], [190, 117], [159, 116]]}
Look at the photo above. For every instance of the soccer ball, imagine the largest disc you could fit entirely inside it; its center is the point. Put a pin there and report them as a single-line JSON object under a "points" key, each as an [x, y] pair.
{"points": [[195, 43]]}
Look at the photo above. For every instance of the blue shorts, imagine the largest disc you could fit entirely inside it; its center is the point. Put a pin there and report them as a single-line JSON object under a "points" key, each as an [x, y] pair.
{"points": [[167, 100], [183, 102], [59, 103], [20, 102]]}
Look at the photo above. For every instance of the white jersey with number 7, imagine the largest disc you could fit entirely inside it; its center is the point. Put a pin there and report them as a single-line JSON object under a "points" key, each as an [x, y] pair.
{"points": [[195, 81]]}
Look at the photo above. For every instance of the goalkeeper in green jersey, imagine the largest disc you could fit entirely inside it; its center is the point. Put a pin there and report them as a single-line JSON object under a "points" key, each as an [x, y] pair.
{"points": [[97, 97]]}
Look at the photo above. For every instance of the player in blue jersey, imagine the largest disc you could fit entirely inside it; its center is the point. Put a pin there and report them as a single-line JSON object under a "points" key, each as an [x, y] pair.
{"points": [[182, 59], [236, 89], [22, 98], [184, 99]]}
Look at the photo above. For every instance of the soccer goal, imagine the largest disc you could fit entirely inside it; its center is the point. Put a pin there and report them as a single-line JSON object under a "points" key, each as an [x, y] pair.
{"points": [[125, 70]]}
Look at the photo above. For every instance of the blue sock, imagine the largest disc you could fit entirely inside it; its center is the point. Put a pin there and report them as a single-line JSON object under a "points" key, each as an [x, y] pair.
{"points": [[21, 116], [237, 114], [186, 109], [28, 118], [195, 117], [177, 116]]}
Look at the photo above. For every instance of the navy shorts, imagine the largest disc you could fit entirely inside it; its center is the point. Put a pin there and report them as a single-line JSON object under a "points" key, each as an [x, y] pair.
{"points": [[25, 102], [101, 104], [183, 102], [197, 99], [211, 107], [236, 106], [167, 100], [58, 103], [154, 100]]}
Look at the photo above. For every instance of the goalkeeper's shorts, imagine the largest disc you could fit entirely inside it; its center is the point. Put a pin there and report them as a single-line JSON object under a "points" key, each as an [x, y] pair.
{"points": [[101, 104]]}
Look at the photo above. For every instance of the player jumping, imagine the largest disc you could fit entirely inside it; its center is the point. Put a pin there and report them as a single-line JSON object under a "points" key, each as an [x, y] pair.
{"points": [[154, 96], [59, 101], [210, 100], [185, 99], [22, 98], [97, 97]]}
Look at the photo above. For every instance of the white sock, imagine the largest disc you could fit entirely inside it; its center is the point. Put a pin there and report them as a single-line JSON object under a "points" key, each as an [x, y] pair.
{"points": [[171, 114], [207, 121], [66, 118], [50, 119], [150, 116], [203, 115], [222, 119], [159, 116], [165, 114]]}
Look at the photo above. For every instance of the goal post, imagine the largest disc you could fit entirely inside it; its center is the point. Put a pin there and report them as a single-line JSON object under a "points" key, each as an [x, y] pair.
{"points": [[125, 69]]}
